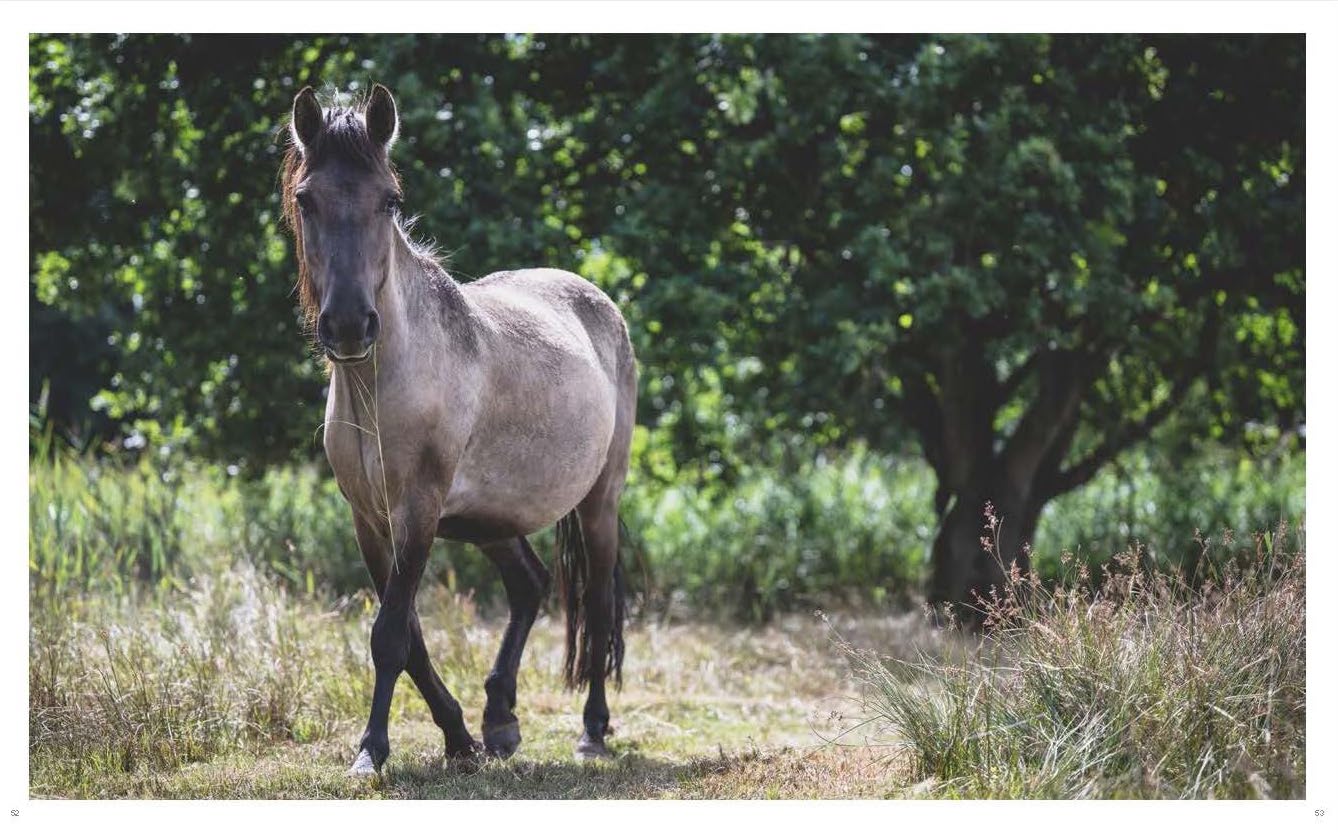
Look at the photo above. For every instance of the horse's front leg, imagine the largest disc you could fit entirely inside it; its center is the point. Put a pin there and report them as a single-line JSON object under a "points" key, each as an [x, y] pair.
{"points": [[397, 645], [446, 711]]}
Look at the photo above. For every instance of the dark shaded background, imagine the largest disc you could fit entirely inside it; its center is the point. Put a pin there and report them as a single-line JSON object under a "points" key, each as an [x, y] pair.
{"points": [[1018, 257]]}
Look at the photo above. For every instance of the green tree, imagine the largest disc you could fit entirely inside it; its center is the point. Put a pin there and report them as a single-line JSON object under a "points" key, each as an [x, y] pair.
{"points": [[1027, 251], [1018, 254], [155, 224]]}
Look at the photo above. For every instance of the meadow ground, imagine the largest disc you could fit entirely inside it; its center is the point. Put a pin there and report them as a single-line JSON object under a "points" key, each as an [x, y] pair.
{"points": [[1128, 683], [235, 690]]}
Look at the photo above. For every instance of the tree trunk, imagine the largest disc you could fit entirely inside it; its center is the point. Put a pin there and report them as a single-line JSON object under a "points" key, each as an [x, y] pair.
{"points": [[1016, 475], [963, 570], [976, 467]]}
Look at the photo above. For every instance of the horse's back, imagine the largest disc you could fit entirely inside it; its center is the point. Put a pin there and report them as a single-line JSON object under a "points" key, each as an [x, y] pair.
{"points": [[558, 309]]}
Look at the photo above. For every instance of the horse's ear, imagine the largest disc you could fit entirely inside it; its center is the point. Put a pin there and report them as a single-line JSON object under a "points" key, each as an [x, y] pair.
{"points": [[307, 117], [383, 120]]}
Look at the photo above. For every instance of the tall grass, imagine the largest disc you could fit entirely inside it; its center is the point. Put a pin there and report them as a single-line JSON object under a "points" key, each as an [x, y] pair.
{"points": [[855, 528], [171, 675], [1142, 687], [858, 527], [180, 613], [93, 525]]}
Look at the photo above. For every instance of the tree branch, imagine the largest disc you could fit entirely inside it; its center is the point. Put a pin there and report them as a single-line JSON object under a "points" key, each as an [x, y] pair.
{"points": [[1082, 471], [1065, 377], [1008, 386]]}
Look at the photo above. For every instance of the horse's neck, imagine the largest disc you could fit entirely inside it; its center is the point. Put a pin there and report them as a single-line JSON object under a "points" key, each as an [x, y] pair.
{"points": [[425, 320], [424, 313]]}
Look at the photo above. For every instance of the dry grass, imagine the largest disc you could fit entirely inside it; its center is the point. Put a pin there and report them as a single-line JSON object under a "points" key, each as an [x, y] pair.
{"points": [[234, 689], [1141, 686]]}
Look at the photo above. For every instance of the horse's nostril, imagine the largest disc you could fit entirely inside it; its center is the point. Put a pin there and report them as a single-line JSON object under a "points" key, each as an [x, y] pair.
{"points": [[347, 329], [323, 330]]}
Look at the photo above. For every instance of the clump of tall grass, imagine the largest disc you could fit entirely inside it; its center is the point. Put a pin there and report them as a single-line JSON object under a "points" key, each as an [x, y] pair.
{"points": [[163, 678], [1128, 683], [229, 662]]}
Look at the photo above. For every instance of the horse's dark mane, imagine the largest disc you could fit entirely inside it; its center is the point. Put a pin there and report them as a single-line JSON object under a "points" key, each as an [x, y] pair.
{"points": [[343, 139]]}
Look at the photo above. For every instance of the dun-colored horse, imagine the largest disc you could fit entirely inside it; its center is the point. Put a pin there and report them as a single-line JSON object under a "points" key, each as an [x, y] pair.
{"points": [[480, 412]]}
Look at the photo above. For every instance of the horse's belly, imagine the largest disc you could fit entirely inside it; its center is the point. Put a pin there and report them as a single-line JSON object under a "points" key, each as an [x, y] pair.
{"points": [[523, 482]]}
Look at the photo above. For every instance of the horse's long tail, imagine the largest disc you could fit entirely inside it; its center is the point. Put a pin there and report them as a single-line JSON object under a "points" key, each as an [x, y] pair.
{"points": [[573, 572]]}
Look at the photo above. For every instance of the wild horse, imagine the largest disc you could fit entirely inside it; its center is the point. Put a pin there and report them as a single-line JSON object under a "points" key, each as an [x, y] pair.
{"points": [[479, 412]]}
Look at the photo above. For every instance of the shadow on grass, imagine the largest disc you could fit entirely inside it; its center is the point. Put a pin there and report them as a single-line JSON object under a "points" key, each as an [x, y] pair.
{"points": [[630, 775]]}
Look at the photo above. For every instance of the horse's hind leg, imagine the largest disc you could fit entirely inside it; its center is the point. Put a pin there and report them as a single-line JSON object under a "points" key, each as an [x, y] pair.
{"points": [[603, 604], [526, 580]]}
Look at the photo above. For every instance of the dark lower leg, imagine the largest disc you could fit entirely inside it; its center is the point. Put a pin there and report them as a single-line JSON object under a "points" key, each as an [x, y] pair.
{"points": [[501, 682], [599, 622], [599, 525], [526, 581], [390, 655], [446, 711], [596, 714], [396, 638]]}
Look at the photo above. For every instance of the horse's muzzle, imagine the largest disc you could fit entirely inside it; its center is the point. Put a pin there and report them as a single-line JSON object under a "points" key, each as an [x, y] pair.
{"points": [[349, 359], [348, 338]]}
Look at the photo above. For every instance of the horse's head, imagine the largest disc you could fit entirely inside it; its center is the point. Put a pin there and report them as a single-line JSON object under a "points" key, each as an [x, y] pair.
{"points": [[342, 198]]}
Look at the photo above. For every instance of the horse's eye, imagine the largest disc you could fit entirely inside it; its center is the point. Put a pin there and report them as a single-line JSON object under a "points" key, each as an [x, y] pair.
{"points": [[305, 203], [394, 203]]}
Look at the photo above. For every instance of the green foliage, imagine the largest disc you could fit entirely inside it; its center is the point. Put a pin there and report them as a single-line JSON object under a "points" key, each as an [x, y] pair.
{"points": [[808, 217], [857, 528], [300, 525], [1176, 512], [104, 527], [1020, 254]]}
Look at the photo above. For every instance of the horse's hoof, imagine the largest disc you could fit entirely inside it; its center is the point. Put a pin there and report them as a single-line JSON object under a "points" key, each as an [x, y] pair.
{"points": [[466, 758], [589, 748], [467, 750], [364, 766], [501, 741]]}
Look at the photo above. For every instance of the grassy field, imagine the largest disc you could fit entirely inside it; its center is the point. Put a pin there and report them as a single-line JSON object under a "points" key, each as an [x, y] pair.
{"points": [[181, 647], [1137, 687], [236, 690]]}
